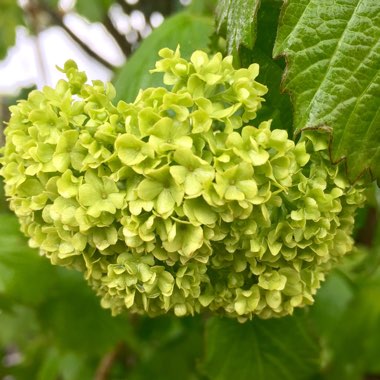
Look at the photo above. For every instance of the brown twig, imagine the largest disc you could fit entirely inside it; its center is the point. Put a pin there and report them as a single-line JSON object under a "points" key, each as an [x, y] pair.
{"points": [[121, 354], [32, 16], [127, 8], [120, 39], [367, 233], [165, 7], [3, 117], [57, 18]]}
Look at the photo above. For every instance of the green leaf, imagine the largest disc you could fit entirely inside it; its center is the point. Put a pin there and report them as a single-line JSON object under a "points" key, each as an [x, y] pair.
{"points": [[67, 308], [20, 266], [172, 347], [347, 314], [94, 10], [359, 327], [188, 30], [239, 17], [333, 74], [202, 7], [10, 17], [331, 303], [17, 325], [50, 366], [72, 315], [277, 105], [261, 350]]}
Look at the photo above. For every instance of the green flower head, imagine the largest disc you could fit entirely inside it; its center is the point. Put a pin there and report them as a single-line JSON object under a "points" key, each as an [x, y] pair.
{"points": [[178, 202]]}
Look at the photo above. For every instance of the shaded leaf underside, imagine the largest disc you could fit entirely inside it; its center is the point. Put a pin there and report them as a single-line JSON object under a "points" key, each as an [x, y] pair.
{"points": [[238, 16], [261, 350], [333, 74], [277, 105]]}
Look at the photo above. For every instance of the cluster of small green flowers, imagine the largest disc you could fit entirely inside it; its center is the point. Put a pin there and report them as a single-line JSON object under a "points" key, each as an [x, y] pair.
{"points": [[176, 202]]}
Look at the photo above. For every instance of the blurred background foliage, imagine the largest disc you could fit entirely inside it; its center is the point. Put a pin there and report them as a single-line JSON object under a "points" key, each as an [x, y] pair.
{"points": [[51, 324]]}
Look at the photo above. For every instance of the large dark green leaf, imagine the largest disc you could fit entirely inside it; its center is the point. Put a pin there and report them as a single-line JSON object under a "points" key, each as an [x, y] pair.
{"points": [[331, 304], [75, 319], [172, 347], [20, 266], [260, 350], [277, 105], [94, 10], [238, 18], [333, 74], [188, 30], [10, 18], [28, 283], [346, 315], [355, 342]]}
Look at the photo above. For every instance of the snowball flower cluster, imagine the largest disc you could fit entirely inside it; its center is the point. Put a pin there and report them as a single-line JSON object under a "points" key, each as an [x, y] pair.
{"points": [[178, 202]]}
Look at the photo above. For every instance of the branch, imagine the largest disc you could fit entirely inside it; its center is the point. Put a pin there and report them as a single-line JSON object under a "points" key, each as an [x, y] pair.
{"points": [[32, 19], [3, 118], [58, 20], [120, 39], [127, 8], [366, 235], [165, 7], [120, 352], [372, 377]]}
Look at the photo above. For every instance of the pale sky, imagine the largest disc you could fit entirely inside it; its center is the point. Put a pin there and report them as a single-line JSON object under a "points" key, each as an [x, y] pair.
{"points": [[22, 66], [33, 60]]}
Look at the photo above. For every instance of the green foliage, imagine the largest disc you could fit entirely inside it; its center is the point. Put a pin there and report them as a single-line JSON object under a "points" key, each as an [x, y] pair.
{"points": [[10, 17], [94, 10], [262, 21], [347, 315], [189, 30], [40, 315], [238, 18], [20, 266], [263, 350], [54, 321], [277, 106], [333, 74], [171, 346], [202, 7]]}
